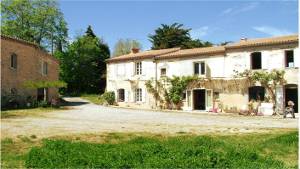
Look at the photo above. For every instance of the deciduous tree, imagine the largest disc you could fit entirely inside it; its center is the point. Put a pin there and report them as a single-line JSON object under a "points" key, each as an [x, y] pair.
{"points": [[41, 22], [124, 46]]}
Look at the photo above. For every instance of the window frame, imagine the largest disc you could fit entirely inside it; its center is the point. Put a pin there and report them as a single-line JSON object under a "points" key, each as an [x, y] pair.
{"points": [[138, 68], [251, 60], [161, 72], [14, 61], [201, 68], [45, 68], [138, 95], [286, 58], [119, 94]]}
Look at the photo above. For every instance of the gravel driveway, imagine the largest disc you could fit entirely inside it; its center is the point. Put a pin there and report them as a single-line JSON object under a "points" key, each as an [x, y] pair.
{"points": [[85, 117]]}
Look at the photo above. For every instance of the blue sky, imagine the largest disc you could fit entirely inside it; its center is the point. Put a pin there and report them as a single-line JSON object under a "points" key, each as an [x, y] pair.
{"points": [[214, 21]]}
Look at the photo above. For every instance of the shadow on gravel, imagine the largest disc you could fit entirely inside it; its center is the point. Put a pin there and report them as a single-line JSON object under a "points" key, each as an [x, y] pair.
{"points": [[75, 103]]}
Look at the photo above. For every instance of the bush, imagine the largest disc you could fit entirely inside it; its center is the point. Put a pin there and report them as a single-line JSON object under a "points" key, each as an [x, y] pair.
{"points": [[43, 104], [109, 97]]}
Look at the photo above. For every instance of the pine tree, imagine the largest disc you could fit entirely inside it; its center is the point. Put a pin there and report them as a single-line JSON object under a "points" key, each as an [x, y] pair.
{"points": [[90, 32]]}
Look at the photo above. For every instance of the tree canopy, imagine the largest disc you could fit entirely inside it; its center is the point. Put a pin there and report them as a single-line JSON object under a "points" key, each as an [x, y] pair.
{"points": [[170, 36], [124, 46], [40, 22], [83, 64]]}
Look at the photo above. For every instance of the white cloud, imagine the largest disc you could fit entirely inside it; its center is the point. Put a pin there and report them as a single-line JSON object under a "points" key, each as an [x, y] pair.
{"points": [[200, 32], [227, 11], [241, 9], [269, 30]]}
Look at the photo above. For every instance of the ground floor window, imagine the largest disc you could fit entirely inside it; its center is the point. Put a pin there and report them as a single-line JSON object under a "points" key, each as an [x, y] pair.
{"points": [[256, 93], [121, 95], [138, 95]]}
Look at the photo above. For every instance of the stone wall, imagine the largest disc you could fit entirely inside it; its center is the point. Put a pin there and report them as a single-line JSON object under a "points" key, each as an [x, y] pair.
{"points": [[29, 68]]}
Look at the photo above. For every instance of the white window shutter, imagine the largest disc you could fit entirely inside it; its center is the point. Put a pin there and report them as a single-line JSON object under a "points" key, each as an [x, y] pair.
{"points": [[143, 68], [296, 57]]}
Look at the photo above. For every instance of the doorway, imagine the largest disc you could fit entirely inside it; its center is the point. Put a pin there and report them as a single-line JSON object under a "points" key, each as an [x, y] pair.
{"points": [[42, 93], [291, 93], [199, 99]]}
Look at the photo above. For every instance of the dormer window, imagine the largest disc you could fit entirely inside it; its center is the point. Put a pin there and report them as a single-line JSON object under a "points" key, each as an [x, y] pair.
{"points": [[199, 68], [13, 61], [138, 68]]}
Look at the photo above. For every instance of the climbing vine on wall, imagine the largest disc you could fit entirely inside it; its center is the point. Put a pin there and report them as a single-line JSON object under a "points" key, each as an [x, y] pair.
{"points": [[169, 91], [267, 79]]}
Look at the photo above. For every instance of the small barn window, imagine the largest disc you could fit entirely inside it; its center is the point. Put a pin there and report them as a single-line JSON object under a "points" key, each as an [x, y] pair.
{"points": [[256, 93], [13, 61], [45, 68], [13, 91], [256, 60], [289, 58]]}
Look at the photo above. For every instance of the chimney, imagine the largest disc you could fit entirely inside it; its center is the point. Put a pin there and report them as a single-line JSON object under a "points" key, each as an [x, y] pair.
{"points": [[135, 50], [244, 39]]}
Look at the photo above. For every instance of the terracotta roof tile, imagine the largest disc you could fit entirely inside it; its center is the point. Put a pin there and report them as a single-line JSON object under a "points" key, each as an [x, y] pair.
{"points": [[143, 55], [194, 51], [264, 41], [30, 44]]}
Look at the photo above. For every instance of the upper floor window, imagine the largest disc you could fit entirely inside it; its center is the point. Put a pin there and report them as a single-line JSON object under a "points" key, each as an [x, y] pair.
{"points": [[256, 60], [289, 58], [138, 68], [45, 68], [199, 68], [13, 61], [121, 95], [138, 95], [163, 72]]}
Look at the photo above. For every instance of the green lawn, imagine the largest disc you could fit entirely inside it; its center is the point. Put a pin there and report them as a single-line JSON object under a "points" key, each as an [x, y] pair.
{"points": [[27, 112], [274, 150], [94, 98]]}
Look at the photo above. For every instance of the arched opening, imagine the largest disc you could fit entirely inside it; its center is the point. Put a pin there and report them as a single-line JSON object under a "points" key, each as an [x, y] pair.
{"points": [[256, 93], [291, 94]]}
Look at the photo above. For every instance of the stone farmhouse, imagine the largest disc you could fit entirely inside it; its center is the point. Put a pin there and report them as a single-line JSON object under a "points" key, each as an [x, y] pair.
{"points": [[127, 74], [22, 61]]}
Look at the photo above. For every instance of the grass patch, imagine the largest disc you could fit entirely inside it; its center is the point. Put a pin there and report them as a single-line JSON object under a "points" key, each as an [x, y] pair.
{"points": [[94, 98], [27, 112], [170, 152]]}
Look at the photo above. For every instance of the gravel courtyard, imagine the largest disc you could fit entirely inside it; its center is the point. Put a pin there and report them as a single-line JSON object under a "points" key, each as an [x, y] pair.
{"points": [[85, 117]]}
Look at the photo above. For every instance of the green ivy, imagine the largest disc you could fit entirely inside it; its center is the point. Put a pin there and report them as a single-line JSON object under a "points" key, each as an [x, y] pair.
{"points": [[44, 84]]}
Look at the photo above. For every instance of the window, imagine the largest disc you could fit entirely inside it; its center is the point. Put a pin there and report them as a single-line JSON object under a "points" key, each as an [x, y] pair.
{"points": [[256, 93], [163, 72], [45, 68], [13, 91], [121, 95], [289, 58], [138, 95], [138, 68], [183, 96], [13, 61], [256, 60], [199, 68]]}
